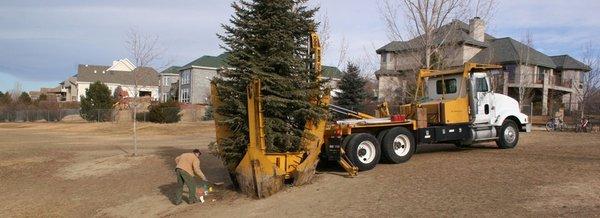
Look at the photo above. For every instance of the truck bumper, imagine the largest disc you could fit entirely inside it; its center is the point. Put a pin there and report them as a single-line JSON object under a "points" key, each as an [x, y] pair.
{"points": [[528, 127]]}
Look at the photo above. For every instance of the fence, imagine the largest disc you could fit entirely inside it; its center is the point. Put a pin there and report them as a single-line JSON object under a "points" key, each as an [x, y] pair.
{"points": [[100, 115], [39, 115]]}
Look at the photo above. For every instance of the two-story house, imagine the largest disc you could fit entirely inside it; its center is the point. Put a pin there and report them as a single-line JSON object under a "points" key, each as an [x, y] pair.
{"points": [[168, 78], [195, 77], [550, 81]]}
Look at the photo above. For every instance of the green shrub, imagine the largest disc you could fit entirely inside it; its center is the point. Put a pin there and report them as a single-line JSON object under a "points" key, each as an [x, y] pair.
{"points": [[208, 114], [167, 112], [97, 104]]}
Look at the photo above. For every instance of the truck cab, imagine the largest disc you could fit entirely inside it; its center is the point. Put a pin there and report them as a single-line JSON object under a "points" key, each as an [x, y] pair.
{"points": [[462, 108]]}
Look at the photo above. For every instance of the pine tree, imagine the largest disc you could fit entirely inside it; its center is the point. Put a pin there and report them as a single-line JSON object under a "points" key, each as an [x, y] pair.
{"points": [[97, 103], [352, 89], [267, 40], [5, 99], [43, 97], [24, 98]]}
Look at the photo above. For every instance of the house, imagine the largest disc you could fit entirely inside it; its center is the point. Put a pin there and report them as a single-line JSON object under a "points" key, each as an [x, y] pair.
{"points": [[119, 74], [69, 89], [550, 81], [168, 79], [52, 94], [195, 77]]}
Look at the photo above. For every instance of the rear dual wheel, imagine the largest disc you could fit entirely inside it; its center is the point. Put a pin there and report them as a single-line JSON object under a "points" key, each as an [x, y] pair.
{"points": [[363, 150], [398, 145]]}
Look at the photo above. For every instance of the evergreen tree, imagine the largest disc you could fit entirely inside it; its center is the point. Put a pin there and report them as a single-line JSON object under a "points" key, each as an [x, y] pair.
{"points": [[43, 97], [24, 98], [352, 94], [5, 99], [267, 40], [97, 103], [166, 112]]}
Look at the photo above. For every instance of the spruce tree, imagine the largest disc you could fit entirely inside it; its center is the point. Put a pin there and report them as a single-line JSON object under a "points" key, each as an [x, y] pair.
{"points": [[24, 98], [352, 85], [97, 103], [267, 40]]}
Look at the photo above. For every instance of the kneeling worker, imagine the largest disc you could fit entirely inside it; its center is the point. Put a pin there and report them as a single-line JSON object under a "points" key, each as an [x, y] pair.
{"points": [[188, 164]]}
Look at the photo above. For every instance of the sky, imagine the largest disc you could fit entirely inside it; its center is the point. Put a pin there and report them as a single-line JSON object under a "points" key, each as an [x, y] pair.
{"points": [[42, 42]]}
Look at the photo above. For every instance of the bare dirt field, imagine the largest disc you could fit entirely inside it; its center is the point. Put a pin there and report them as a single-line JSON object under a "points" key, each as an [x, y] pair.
{"points": [[81, 169]]}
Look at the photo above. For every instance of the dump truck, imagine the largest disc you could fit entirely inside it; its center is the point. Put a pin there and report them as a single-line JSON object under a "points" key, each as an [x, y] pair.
{"points": [[455, 106]]}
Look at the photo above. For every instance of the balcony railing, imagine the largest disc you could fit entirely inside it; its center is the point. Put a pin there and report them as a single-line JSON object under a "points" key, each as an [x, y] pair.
{"points": [[563, 83]]}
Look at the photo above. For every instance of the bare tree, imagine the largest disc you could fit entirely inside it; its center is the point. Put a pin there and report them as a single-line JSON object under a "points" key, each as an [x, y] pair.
{"points": [[420, 21], [144, 49], [525, 70], [590, 81], [426, 33], [324, 31], [16, 91]]}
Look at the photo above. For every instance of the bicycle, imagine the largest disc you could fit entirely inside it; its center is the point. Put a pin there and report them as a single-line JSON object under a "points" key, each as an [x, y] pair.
{"points": [[583, 125], [555, 124]]}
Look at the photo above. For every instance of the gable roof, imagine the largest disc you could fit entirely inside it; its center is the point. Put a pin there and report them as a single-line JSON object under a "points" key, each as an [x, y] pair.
{"points": [[171, 70], [209, 61], [508, 50], [455, 31], [566, 62], [147, 76]]}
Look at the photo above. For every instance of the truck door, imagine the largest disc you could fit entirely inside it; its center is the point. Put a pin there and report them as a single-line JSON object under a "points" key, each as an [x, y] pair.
{"points": [[482, 97]]}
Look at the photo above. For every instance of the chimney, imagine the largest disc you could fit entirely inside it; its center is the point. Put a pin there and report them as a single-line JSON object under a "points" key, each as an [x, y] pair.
{"points": [[477, 29]]}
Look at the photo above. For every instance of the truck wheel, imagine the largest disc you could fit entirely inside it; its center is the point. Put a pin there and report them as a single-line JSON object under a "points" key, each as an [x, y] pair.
{"points": [[398, 145], [363, 150], [508, 135], [380, 135]]}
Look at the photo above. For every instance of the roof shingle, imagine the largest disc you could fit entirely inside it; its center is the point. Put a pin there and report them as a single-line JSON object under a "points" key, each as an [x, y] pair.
{"points": [[508, 50], [566, 62], [147, 76], [455, 31]]}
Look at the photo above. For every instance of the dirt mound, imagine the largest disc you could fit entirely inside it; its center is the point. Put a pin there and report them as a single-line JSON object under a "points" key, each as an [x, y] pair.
{"points": [[101, 166]]}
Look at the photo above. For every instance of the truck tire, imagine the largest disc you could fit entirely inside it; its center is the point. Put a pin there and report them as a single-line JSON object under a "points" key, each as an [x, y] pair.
{"points": [[508, 136], [363, 150], [380, 136], [398, 145]]}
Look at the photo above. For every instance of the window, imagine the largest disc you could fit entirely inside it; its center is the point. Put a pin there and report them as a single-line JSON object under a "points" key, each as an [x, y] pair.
{"points": [[449, 88], [510, 69], [145, 94], [185, 95], [539, 77], [185, 77], [481, 85]]}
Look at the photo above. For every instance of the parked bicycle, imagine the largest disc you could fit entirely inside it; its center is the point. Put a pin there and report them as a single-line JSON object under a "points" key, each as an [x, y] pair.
{"points": [[583, 125], [555, 124]]}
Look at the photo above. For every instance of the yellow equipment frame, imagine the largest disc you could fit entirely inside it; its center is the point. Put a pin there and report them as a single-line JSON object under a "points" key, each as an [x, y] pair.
{"points": [[455, 110], [261, 173]]}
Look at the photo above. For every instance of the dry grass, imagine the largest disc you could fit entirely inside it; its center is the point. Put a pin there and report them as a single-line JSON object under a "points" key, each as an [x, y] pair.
{"points": [[81, 169]]}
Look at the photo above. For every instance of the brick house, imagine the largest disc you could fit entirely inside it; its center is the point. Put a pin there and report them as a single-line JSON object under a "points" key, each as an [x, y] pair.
{"points": [[552, 81]]}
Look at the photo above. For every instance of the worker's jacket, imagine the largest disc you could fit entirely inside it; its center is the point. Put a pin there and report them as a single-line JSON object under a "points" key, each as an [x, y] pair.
{"points": [[190, 163]]}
